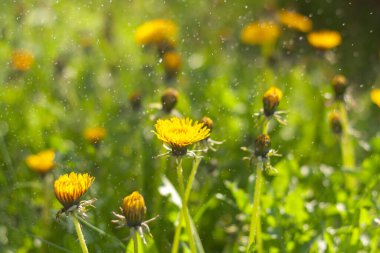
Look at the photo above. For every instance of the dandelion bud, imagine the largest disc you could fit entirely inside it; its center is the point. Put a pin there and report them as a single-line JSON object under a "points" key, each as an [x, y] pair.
{"points": [[135, 100], [207, 122], [339, 83], [95, 134], [271, 100], [169, 100], [335, 122], [172, 64], [262, 145], [134, 209], [22, 60]]}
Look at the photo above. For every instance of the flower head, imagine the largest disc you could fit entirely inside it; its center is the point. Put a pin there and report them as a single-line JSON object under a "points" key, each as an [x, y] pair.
{"points": [[208, 122], [271, 100], [172, 63], [262, 145], [135, 100], [180, 133], [295, 21], [41, 162], [375, 96], [156, 32], [22, 60], [134, 209], [335, 122], [258, 33], [94, 134], [324, 39], [69, 188], [339, 83]]}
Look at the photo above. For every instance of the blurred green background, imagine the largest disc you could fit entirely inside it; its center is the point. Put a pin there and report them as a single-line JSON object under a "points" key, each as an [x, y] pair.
{"points": [[86, 66]]}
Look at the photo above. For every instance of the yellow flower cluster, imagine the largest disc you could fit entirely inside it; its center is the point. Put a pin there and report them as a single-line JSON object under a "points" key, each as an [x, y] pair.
{"points": [[324, 39], [41, 162], [95, 134], [69, 188], [156, 32], [22, 60], [294, 20], [257, 33]]}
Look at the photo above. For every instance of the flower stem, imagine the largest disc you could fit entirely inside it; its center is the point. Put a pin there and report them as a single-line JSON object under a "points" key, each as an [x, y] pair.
{"points": [[135, 242], [190, 181], [184, 209], [80, 234], [348, 155], [253, 230]]}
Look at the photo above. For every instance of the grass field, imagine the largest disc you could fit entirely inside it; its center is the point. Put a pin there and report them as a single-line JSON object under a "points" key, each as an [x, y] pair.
{"points": [[289, 161]]}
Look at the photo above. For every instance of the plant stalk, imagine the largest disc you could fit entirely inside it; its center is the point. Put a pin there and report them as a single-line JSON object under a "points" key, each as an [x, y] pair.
{"points": [[80, 234], [348, 154], [135, 242]]}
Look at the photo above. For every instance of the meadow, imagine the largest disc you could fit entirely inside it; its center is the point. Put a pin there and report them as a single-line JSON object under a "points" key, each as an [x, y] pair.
{"points": [[223, 126]]}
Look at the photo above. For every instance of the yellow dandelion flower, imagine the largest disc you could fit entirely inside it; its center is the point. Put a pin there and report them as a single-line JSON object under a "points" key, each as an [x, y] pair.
{"points": [[172, 61], [95, 134], [69, 188], [156, 32], [271, 100], [375, 96], [324, 39], [180, 133], [134, 209], [22, 60], [41, 162], [295, 21], [258, 33]]}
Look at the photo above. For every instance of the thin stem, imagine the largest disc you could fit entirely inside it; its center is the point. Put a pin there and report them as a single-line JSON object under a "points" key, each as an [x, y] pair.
{"points": [[80, 234], [348, 154], [256, 206], [265, 125], [135, 242], [47, 179], [190, 181], [7, 160], [184, 209]]}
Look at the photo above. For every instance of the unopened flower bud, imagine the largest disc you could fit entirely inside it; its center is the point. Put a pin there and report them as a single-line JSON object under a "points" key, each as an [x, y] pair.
{"points": [[339, 83], [169, 100], [209, 123], [271, 100], [134, 209], [135, 100], [262, 145], [335, 122], [172, 63]]}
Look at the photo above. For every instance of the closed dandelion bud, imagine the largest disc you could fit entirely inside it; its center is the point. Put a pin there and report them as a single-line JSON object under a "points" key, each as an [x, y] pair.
{"points": [[169, 100], [262, 145], [135, 100], [172, 64], [94, 134], [207, 122], [339, 83], [271, 100], [335, 122], [134, 209]]}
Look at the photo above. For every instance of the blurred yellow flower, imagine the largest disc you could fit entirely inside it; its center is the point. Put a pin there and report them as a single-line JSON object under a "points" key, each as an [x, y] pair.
{"points": [[156, 32], [172, 61], [69, 188], [375, 96], [134, 209], [262, 32], [94, 134], [271, 100], [22, 60], [41, 162], [295, 21], [180, 133], [324, 39]]}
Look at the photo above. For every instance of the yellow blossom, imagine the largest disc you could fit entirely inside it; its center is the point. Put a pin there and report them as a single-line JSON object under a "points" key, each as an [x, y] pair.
{"points": [[95, 134], [69, 188], [271, 100], [41, 162], [22, 60], [262, 32], [180, 133], [375, 96], [324, 39], [295, 21], [156, 32], [172, 61], [134, 209]]}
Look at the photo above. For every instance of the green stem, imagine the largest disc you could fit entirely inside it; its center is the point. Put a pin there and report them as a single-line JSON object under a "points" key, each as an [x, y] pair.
{"points": [[348, 154], [7, 160], [184, 209], [256, 206], [190, 181], [265, 125], [80, 234], [135, 242]]}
